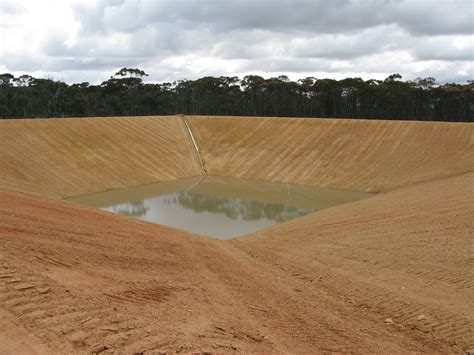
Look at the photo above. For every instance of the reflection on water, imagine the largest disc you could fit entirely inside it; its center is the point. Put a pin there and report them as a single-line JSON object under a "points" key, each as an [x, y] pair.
{"points": [[235, 207], [132, 209], [218, 207]]}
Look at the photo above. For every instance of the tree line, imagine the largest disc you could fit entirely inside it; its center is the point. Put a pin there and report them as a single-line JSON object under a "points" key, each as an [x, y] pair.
{"points": [[126, 94]]}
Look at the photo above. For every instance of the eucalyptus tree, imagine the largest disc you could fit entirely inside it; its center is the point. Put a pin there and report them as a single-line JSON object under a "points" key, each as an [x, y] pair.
{"points": [[125, 93]]}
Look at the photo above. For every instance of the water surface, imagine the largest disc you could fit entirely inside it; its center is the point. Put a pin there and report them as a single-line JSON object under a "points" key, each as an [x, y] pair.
{"points": [[217, 206]]}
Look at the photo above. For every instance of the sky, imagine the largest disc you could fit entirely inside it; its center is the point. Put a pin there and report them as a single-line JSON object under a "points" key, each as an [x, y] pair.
{"points": [[86, 40]]}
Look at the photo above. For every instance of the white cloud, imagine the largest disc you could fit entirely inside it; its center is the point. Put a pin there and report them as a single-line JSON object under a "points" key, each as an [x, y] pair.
{"points": [[89, 40]]}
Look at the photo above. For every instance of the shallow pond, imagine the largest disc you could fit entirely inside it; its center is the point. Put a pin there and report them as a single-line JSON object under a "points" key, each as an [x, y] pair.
{"points": [[217, 206]]}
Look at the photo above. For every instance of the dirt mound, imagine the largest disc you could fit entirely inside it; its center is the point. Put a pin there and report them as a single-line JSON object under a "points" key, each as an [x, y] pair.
{"points": [[364, 155], [68, 157]]}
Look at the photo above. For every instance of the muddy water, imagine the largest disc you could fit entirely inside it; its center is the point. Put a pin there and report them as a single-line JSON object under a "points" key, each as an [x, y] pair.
{"points": [[217, 206]]}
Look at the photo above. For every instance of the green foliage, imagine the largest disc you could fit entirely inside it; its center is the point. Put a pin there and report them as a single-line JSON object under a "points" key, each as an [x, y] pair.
{"points": [[125, 93]]}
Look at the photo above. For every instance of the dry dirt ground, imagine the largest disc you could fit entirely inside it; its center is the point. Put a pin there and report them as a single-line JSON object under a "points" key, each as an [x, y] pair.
{"points": [[389, 274], [376, 275]]}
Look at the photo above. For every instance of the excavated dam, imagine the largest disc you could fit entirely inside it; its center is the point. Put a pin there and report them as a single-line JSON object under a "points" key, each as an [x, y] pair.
{"points": [[390, 272]]}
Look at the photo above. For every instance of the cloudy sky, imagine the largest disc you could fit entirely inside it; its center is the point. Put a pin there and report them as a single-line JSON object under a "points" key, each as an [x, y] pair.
{"points": [[74, 41]]}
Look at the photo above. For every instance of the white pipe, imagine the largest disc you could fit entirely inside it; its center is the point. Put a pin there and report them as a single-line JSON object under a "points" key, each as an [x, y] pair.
{"points": [[204, 172]]}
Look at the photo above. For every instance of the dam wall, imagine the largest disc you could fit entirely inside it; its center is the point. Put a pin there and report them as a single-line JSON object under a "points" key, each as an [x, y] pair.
{"points": [[363, 155], [75, 156], [69, 157]]}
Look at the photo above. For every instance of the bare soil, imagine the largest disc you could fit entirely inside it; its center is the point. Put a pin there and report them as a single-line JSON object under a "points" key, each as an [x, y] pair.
{"points": [[77, 156], [357, 277], [392, 273], [362, 155]]}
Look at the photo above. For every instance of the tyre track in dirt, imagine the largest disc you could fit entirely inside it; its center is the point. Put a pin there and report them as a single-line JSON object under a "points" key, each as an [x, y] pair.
{"points": [[118, 283], [414, 268], [392, 273]]}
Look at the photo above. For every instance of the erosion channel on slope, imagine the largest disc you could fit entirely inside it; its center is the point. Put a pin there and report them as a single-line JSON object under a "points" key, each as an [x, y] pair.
{"points": [[217, 206]]}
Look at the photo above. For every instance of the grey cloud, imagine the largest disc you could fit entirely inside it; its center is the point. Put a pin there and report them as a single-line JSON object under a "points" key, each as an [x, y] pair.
{"points": [[248, 28], [316, 16], [437, 17], [287, 36], [50, 64], [353, 45], [295, 65], [21, 63], [443, 48], [73, 64]]}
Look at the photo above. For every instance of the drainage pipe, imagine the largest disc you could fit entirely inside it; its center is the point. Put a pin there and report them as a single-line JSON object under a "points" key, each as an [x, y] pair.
{"points": [[186, 123]]}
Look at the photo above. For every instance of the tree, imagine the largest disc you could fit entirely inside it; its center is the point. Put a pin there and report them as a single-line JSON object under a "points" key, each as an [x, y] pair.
{"points": [[425, 83], [6, 79], [392, 78], [130, 78], [24, 80], [125, 93]]}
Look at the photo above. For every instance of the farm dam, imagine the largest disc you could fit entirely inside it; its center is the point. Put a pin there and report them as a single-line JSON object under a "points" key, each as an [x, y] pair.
{"points": [[388, 271]]}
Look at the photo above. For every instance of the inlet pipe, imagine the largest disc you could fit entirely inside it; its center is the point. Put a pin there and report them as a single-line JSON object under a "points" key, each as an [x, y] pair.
{"points": [[195, 183], [186, 123]]}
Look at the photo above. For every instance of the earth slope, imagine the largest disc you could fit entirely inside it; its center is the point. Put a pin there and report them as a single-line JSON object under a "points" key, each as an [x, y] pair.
{"points": [[70, 157], [364, 155], [353, 278]]}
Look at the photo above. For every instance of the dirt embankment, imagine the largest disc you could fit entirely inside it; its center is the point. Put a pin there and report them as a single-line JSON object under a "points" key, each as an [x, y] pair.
{"points": [[392, 273], [68, 157], [364, 155]]}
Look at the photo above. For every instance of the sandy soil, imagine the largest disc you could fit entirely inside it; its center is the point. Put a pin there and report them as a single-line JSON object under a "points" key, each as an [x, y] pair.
{"points": [[363, 155], [352, 278], [389, 274], [70, 157]]}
